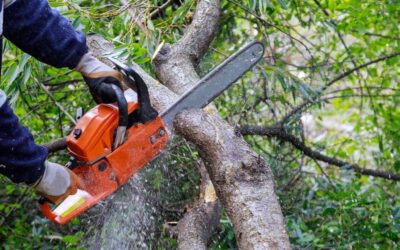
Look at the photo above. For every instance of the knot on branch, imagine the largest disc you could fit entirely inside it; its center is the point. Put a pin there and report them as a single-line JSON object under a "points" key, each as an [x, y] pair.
{"points": [[163, 54]]}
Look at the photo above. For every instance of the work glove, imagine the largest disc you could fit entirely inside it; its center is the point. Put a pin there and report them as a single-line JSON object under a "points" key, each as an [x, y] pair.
{"points": [[100, 78], [57, 183], [103, 82]]}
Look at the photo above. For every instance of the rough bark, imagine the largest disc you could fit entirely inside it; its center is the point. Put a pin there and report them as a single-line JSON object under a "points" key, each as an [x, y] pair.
{"points": [[242, 180], [175, 65], [56, 145], [197, 226]]}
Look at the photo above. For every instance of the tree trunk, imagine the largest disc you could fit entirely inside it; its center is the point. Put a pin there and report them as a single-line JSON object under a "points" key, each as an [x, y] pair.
{"points": [[243, 182], [197, 226]]}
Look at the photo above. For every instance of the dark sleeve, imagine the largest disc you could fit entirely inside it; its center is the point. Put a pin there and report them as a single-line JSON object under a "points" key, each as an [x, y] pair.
{"points": [[43, 33], [21, 159]]}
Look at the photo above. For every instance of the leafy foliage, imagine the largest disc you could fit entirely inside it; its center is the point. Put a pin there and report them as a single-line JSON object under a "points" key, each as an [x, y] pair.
{"points": [[308, 44]]}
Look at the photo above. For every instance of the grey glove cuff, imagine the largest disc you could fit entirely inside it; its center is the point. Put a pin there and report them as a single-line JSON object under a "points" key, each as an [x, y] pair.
{"points": [[90, 65], [7, 3], [3, 98], [55, 180]]}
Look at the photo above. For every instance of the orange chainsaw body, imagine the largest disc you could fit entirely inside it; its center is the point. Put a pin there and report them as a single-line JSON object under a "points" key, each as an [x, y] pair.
{"points": [[103, 170], [105, 156]]}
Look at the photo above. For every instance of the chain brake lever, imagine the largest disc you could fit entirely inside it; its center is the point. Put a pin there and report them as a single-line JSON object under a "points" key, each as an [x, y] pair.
{"points": [[134, 80]]}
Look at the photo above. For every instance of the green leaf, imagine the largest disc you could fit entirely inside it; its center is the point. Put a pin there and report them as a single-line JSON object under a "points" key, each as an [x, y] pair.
{"points": [[328, 211], [396, 165], [283, 4], [71, 239]]}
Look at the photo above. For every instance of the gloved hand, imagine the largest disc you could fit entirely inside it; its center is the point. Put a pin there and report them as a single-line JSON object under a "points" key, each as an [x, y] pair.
{"points": [[58, 182], [100, 78], [105, 86]]}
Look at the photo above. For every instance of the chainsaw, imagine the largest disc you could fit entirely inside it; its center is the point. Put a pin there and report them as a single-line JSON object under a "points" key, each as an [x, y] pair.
{"points": [[111, 142]]}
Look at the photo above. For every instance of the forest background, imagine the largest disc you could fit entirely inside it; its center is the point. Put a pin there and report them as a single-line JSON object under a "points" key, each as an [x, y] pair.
{"points": [[321, 109]]}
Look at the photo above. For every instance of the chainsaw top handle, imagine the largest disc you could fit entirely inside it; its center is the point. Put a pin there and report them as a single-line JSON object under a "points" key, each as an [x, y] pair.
{"points": [[145, 112]]}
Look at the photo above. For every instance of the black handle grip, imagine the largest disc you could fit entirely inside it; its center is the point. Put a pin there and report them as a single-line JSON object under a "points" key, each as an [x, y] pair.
{"points": [[145, 112], [109, 90]]}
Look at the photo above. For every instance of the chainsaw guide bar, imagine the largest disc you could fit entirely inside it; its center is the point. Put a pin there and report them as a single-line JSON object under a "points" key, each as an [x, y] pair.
{"points": [[216, 81], [111, 142]]}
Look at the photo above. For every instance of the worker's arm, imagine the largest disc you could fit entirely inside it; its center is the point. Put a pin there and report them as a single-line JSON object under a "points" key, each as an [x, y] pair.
{"points": [[42, 32], [45, 34], [23, 161], [20, 158]]}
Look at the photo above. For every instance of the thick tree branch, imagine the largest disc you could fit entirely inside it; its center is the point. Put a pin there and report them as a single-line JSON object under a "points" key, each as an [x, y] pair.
{"points": [[197, 226], [201, 32], [279, 132], [243, 182], [56, 145], [181, 58]]}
